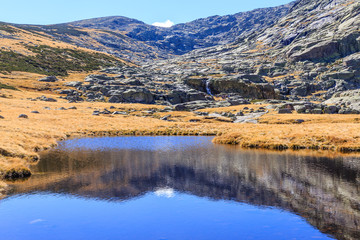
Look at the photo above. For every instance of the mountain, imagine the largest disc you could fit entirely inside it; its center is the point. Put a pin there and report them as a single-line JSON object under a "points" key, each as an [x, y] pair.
{"points": [[305, 51], [317, 31], [139, 42], [312, 51], [201, 33]]}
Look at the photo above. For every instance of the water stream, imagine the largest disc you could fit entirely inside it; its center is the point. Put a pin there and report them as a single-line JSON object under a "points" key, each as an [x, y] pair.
{"points": [[207, 85]]}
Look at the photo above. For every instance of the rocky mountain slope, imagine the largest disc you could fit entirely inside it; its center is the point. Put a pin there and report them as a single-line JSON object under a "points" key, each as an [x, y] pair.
{"points": [[116, 43], [139, 42], [294, 54], [311, 52], [201, 33]]}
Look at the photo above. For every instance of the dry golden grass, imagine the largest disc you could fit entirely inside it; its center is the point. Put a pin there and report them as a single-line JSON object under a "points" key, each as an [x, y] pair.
{"points": [[18, 40], [273, 118], [21, 139], [343, 137], [27, 81]]}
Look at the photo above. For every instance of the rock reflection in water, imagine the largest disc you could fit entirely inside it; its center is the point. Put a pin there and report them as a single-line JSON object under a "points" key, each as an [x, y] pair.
{"points": [[324, 191]]}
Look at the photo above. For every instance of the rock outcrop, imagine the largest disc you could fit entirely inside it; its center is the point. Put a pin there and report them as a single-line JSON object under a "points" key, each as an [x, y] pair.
{"points": [[349, 101]]}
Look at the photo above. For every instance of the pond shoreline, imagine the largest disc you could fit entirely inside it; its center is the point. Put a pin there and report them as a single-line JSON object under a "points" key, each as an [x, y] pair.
{"points": [[227, 139], [23, 171], [22, 139], [20, 171]]}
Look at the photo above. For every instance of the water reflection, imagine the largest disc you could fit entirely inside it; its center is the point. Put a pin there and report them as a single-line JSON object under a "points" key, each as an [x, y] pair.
{"points": [[325, 191]]}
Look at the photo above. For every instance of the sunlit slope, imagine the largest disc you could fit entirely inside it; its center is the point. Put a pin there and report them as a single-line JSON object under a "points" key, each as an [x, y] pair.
{"points": [[38, 52]]}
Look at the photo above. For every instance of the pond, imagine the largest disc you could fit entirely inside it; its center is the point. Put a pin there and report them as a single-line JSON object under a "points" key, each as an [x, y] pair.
{"points": [[182, 188]]}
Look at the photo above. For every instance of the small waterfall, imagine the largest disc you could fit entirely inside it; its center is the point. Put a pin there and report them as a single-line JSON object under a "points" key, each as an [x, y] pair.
{"points": [[208, 90]]}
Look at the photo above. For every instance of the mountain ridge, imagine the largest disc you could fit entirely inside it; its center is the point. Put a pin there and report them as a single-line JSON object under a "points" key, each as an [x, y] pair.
{"points": [[200, 33], [305, 50], [139, 42]]}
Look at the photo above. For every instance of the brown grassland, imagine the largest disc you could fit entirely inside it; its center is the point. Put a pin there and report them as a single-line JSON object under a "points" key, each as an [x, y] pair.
{"points": [[22, 139]]}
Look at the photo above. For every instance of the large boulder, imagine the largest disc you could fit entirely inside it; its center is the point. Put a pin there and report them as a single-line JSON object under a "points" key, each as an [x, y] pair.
{"points": [[140, 95], [182, 96], [352, 60], [114, 99], [195, 105], [48, 79], [197, 83], [245, 90], [343, 75], [74, 84], [303, 90], [46, 99], [93, 78], [202, 83]]}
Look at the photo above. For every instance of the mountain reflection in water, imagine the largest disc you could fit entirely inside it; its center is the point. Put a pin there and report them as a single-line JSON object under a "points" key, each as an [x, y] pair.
{"points": [[325, 191]]}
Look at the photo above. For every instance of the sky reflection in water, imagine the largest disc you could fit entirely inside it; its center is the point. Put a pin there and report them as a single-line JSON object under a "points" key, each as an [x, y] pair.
{"points": [[180, 188]]}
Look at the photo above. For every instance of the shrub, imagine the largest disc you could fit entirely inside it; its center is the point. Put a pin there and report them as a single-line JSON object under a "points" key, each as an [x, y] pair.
{"points": [[4, 86]]}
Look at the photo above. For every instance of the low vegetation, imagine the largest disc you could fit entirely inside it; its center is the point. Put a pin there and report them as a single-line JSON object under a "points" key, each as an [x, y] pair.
{"points": [[4, 86], [57, 29], [6, 28], [54, 61]]}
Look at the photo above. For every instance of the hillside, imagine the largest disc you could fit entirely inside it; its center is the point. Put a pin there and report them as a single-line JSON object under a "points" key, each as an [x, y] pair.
{"points": [[139, 42], [37, 52], [185, 37]]}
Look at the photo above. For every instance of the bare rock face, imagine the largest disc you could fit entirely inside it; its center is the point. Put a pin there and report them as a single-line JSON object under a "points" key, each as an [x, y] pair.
{"points": [[246, 90], [348, 99], [311, 51], [138, 96], [49, 79], [353, 61], [321, 30], [201, 33]]}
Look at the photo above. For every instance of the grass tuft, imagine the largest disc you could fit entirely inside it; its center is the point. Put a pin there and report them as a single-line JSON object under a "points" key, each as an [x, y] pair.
{"points": [[15, 173]]}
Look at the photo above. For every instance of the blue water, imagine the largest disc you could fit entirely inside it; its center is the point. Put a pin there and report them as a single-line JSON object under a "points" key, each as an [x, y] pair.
{"points": [[177, 188], [142, 143], [181, 216]]}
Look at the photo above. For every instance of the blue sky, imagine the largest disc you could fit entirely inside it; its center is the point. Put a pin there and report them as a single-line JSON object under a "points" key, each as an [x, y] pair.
{"points": [[149, 11]]}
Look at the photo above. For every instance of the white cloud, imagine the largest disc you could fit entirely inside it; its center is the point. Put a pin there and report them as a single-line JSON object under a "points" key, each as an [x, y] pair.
{"points": [[37, 221], [165, 192], [165, 24]]}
